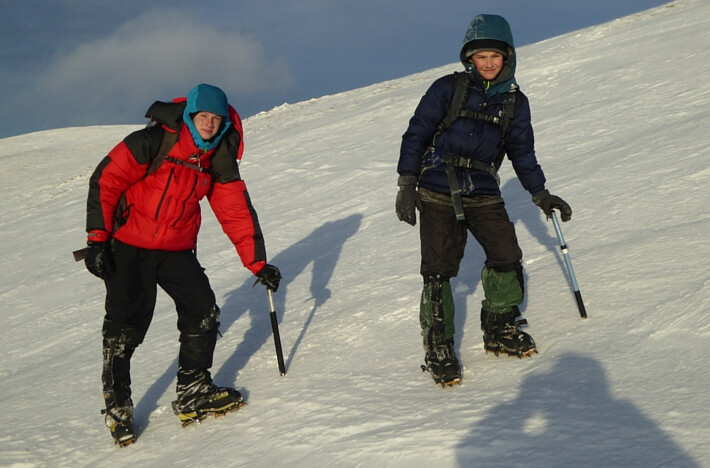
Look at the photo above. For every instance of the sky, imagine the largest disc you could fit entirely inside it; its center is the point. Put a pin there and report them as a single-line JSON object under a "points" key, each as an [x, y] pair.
{"points": [[76, 62], [626, 387]]}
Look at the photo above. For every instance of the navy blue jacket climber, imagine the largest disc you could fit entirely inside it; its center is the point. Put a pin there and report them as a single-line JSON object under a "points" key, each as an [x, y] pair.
{"points": [[472, 138]]}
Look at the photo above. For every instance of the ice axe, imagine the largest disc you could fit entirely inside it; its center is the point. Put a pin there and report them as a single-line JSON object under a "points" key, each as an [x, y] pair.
{"points": [[568, 263], [275, 329]]}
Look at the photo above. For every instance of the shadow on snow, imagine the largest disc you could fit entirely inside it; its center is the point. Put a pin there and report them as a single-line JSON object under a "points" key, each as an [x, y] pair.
{"points": [[322, 248], [568, 417]]}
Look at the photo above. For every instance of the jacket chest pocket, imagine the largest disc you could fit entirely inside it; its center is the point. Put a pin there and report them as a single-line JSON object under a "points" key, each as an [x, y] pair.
{"points": [[203, 182], [188, 184], [182, 193]]}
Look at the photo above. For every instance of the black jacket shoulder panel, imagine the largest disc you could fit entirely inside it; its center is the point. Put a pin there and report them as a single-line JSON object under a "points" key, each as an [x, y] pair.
{"points": [[224, 164], [143, 144], [166, 113]]}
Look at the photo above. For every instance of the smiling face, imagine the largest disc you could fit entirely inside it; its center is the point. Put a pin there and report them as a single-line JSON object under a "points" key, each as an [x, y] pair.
{"points": [[488, 64], [207, 124]]}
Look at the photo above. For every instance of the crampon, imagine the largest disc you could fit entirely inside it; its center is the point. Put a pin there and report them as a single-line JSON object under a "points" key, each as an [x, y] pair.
{"points": [[188, 417]]}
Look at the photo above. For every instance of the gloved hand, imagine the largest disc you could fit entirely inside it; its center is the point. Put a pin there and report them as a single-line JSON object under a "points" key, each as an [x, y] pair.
{"points": [[99, 259], [548, 202], [269, 276], [407, 200]]}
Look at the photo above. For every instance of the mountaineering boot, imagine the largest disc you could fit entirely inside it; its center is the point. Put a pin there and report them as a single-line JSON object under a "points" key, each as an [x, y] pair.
{"points": [[198, 397], [501, 333], [120, 423], [119, 343], [436, 317], [442, 364]]}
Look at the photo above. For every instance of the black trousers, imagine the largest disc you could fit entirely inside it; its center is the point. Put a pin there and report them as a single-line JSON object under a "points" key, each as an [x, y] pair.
{"points": [[131, 291], [443, 239]]}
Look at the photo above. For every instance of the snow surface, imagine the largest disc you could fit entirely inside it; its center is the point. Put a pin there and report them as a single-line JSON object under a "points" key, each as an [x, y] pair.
{"points": [[621, 113]]}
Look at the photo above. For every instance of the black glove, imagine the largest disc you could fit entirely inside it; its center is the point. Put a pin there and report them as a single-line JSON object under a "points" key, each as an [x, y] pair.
{"points": [[407, 200], [99, 259], [548, 202], [269, 276]]}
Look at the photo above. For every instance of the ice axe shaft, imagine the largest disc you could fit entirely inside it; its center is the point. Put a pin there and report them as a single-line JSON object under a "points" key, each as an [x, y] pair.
{"points": [[275, 330], [568, 263]]}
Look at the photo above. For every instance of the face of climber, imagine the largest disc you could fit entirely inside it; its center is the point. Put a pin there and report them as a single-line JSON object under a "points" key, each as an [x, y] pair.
{"points": [[207, 124], [488, 64]]}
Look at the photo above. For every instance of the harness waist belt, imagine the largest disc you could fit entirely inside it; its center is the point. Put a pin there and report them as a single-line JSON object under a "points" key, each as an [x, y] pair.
{"points": [[468, 163]]}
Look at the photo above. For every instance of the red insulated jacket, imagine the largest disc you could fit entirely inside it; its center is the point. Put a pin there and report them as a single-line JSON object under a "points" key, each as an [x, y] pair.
{"points": [[160, 209]]}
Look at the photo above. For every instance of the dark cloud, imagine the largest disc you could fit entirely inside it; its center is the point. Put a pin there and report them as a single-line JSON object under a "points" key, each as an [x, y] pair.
{"points": [[158, 55]]}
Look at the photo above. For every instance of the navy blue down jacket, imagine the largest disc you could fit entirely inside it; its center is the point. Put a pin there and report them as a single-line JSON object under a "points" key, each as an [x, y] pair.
{"points": [[472, 138]]}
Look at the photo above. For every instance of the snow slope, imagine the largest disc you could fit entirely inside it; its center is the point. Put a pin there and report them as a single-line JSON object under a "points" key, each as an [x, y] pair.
{"points": [[621, 112]]}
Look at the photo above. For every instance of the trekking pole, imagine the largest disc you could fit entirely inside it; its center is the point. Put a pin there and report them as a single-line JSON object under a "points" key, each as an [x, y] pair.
{"points": [[275, 329], [568, 262]]}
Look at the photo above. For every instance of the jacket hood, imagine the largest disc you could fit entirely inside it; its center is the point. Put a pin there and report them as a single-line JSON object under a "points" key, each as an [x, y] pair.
{"points": [[482, 31], [170, 115], [204, 97]]}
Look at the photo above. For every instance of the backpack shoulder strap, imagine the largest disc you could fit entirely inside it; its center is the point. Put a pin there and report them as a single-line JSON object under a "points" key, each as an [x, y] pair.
{"points": [[458, 102], [508, 112], [507, 115], [159, 151]]}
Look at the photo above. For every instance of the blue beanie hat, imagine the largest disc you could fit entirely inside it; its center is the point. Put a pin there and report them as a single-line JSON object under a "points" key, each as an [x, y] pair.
{"points": [[207, 98]]}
